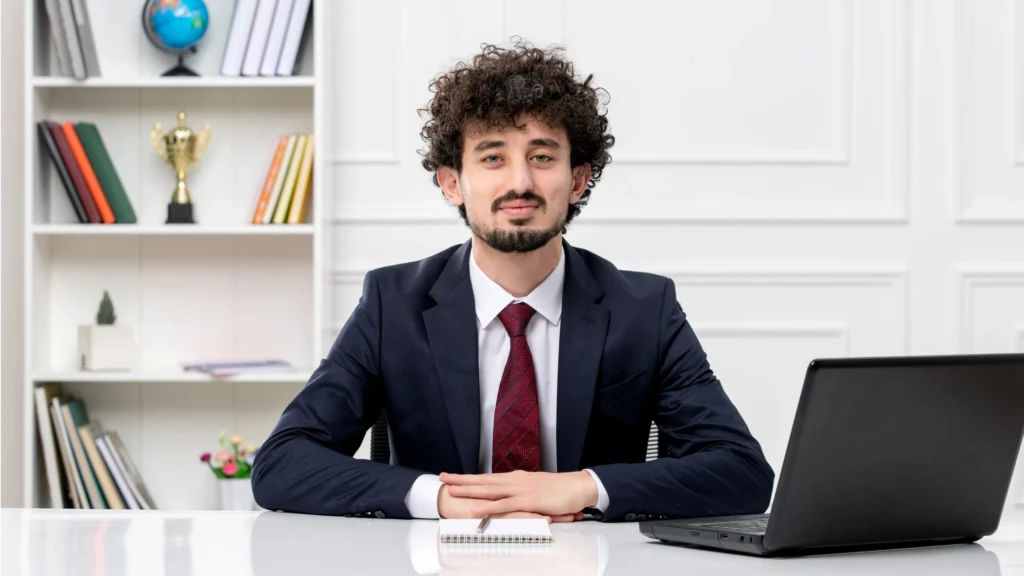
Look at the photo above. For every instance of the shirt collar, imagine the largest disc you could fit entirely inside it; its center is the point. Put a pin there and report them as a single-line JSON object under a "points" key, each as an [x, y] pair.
{"points": [[491, 298]]}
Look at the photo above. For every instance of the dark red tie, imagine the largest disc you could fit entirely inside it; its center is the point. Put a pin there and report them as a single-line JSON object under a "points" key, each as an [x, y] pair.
{"points": [[517, 415]]}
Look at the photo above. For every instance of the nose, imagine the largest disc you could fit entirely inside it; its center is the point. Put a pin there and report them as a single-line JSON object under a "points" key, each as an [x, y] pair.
{"points": [[520, 179]]}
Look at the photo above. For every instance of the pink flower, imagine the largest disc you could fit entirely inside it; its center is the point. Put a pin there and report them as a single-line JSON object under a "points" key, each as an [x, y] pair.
{"points": [[225, 456], [205, 457], [229, 469]]}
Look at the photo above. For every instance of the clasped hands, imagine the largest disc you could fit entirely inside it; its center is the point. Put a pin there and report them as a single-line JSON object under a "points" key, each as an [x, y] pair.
{"points": [[558, 497]]}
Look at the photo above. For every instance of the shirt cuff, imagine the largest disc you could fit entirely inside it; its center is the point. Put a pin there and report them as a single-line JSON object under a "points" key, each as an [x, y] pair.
{"points": [[422, 497], [602, 494]]}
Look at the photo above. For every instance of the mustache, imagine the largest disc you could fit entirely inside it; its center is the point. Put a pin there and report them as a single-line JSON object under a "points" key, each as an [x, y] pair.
{"points": [[511, 195]]}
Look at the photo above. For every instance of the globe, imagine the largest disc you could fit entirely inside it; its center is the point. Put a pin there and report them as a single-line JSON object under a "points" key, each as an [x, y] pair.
{"points": [[175, 27]]}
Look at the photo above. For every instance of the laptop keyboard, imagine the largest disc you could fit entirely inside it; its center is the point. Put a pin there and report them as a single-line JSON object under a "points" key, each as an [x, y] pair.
{"points": [[749, 524]]}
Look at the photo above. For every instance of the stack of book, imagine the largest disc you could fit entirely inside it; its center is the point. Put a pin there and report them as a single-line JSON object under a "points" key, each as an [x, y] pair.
{"points": [[86, 172], [265, 37], [288, 185], [72, 38], [87, 467]]}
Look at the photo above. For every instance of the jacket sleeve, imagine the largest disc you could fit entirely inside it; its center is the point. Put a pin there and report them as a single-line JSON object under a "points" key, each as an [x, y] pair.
{"points": [[306, 465], [714, 466]]}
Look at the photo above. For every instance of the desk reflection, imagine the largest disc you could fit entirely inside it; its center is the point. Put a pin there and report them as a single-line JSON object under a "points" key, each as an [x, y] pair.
{"points": [[116, 543], [296, 544], [573, 553]]}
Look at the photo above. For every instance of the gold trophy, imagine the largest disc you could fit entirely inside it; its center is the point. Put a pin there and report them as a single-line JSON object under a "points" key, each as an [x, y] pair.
{"points": [[181, 148]]}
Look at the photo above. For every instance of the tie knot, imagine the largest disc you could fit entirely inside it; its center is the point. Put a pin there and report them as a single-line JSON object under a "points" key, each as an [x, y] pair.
{"points": [[515, 317]]}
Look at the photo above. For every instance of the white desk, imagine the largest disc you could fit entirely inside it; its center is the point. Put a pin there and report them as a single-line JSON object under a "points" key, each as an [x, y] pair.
{"points": [[60, 543]]}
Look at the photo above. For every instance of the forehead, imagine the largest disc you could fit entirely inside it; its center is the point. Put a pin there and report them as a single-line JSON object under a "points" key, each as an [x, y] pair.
{"points": [[528, 129]]}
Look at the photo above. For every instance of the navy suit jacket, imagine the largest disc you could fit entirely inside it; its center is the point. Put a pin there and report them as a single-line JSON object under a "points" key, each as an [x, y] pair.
{"points": [[627, 356]]}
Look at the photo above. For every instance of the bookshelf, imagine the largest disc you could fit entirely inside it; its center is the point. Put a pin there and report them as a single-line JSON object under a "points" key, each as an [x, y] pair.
{"points": [[222, 288]]}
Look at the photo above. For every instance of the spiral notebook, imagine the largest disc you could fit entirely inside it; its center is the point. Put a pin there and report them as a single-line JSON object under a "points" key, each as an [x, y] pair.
{"points": [[498, 530]]}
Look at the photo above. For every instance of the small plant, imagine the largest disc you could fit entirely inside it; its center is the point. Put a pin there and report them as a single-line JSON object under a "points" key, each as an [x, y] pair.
{"points": [[233, 460], [106, 315]]}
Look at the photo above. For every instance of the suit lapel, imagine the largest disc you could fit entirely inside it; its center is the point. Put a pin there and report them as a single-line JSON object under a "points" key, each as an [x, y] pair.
{"points": [[581, 344], [451, 331]]}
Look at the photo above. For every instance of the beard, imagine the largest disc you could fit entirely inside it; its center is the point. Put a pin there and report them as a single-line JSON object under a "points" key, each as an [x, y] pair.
{"points": [[519, 239]]}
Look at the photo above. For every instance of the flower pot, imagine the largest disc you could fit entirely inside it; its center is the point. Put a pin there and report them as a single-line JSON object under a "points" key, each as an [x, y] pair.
{"points": [[236, 494], [106, 347]]}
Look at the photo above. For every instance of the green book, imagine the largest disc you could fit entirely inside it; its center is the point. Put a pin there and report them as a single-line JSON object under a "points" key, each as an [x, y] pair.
{"points": [[76, 416], [105, 173]]}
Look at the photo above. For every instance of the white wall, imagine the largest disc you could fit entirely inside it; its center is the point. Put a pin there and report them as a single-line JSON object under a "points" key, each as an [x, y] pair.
{"points": [[819, 177]]}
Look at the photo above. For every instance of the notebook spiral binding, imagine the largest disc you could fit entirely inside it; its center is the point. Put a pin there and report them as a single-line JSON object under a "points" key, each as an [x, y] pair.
{"points": [[494, 539]]}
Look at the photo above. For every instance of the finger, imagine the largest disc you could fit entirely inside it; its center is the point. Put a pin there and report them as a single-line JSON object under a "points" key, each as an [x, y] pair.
{"points": [[579, 516], [499, 507], [468, 479], [522, 515], [483, 492], [563, 518]]}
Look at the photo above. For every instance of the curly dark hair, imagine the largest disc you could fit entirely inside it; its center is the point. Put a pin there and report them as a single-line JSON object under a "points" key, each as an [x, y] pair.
{"points": [[500, 86]]}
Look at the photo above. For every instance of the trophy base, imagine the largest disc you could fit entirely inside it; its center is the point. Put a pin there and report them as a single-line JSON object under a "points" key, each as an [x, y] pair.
{"points": [[180, 69], [179, 214]]}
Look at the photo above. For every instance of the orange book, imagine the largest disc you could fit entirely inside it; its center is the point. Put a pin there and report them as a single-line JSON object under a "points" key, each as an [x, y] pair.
{"points": [[268, 184], [106, 214]]}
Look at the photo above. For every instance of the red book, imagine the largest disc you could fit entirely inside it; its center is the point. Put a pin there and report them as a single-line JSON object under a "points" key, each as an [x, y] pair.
{"points": [[76, 174]]}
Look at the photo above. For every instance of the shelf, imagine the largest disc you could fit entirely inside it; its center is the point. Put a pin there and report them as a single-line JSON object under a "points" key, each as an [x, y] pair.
{"points": [[176, 82], [170, 376], [171, 230]]}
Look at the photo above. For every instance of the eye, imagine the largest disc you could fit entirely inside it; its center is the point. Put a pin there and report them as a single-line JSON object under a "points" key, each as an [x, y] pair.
{"points": [[544, 158], [495, 157]]}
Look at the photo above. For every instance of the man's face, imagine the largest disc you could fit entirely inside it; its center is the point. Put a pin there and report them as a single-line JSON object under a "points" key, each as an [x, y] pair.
{"points": [[516, 185]]}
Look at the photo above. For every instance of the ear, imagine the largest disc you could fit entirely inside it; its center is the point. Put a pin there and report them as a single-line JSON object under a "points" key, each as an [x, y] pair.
{"points": [[580, 179], [448, 180]]}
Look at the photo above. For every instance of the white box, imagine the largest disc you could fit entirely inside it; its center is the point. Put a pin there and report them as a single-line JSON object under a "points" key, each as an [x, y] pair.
{"points": [[106, 347]]}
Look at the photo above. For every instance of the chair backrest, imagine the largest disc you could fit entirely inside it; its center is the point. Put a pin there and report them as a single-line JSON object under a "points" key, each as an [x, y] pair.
{"points": [[380, 445]]}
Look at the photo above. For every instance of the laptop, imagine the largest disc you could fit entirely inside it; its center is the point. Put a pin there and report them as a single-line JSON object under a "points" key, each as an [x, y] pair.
{"points": [[884, 453]]}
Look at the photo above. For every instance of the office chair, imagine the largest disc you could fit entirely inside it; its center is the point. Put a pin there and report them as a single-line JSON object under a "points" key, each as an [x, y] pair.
{"points": [[380, 446]]}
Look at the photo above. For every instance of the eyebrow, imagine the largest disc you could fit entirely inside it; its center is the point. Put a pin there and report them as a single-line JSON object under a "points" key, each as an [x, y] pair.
{"points": [[489, 144]]}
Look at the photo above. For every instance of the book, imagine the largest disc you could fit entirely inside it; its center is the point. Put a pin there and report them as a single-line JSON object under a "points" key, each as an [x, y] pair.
{"points": [[105, 172], [82, 160], [268, 66], [88, 434], [497, 531], [44, 394], [75, 416], [71, 165], [294, 35], [272, 181], [281, 210], [65, 177], [76, 488]]}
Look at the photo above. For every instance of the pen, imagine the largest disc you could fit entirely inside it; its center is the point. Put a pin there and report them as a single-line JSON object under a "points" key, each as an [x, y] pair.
{"points": [[483, 523]]}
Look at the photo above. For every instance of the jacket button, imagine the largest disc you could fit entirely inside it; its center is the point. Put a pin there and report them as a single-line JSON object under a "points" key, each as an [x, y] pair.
{"points": [[378, 514], [630, 517]]}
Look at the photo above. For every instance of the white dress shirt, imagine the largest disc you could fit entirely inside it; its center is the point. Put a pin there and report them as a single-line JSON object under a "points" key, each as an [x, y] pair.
{"points": [[493, 344]]}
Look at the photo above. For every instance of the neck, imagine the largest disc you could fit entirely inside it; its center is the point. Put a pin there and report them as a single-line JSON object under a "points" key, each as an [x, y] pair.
{"points": [[518, 273]]}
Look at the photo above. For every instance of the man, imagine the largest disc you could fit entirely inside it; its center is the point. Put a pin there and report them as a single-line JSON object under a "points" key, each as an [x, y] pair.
{"points": [[520, 375]]}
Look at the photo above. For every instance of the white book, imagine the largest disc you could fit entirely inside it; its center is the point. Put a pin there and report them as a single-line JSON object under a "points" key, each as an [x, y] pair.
{"points": [[258, 37], [238, 37], [275, 41], [293, 38]]}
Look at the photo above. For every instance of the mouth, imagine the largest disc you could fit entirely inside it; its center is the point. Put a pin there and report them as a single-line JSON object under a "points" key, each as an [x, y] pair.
{"points": [[518, 208]]}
